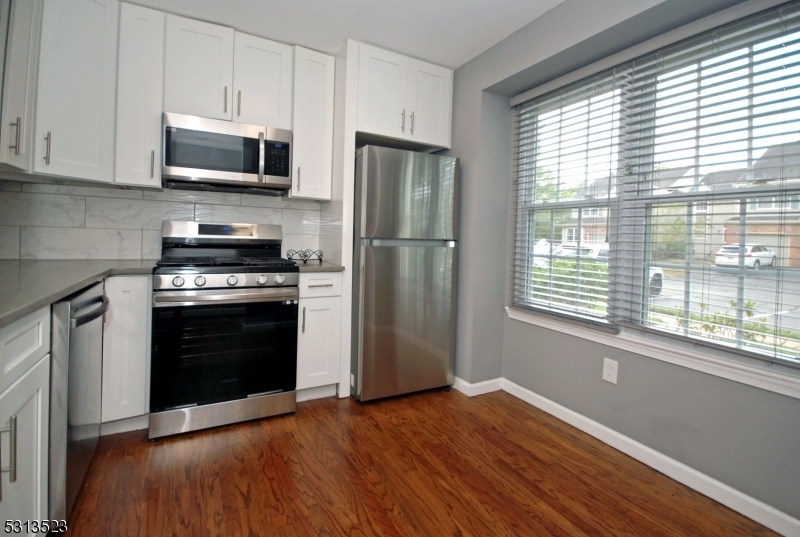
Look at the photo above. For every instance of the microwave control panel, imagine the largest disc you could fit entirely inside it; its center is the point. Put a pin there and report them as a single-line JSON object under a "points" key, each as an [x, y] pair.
{"points": [[277, 158]]}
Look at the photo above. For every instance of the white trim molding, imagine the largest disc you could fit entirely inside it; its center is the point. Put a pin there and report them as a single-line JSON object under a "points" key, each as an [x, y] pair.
{"points": [[479, 388], [784, 384], [136, 423], [702, 483]]}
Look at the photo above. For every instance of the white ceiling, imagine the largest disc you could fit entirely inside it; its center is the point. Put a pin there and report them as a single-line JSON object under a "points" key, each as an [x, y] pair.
{"points": [[445, 32]]}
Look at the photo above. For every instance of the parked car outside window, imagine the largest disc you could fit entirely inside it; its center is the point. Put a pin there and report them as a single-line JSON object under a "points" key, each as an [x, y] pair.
{"points": [[601, 251], [755, 256]]}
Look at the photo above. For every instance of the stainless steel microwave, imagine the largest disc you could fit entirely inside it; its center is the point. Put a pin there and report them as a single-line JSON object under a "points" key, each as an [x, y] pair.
{"points": [[201, 153]]}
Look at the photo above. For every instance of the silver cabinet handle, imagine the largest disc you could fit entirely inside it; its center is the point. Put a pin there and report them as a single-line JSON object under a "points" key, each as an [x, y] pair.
{"points": [[12, 455], [411, 128], [225, 106], [239, 111], [403, 124], [18, 125], [49, 139], [304, 320], [321, 285], [298, 178], [152, 163]]}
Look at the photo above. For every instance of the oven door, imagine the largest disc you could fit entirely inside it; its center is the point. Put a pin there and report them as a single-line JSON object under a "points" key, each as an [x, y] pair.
{"points": [[211, 346], [212, 151]]}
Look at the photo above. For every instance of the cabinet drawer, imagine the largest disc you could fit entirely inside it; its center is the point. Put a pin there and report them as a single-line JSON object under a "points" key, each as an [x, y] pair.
{"points": [[22, 344], [315, 284]]}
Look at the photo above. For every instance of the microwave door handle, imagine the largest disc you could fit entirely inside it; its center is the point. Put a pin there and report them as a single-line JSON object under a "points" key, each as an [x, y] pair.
{"points": [[261, 151]]}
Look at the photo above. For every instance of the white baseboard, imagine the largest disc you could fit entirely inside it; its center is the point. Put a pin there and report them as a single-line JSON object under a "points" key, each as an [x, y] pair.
{"points": [[135, 423], [750, 507], [479, 388], [309, 394]]}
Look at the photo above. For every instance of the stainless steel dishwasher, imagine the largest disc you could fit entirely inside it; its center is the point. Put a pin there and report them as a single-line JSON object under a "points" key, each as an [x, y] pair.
{"points": [[75, 393]]}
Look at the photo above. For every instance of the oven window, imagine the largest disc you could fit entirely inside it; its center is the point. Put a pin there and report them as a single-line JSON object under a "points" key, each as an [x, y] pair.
{"points": [[207, 354], [187, 148]]}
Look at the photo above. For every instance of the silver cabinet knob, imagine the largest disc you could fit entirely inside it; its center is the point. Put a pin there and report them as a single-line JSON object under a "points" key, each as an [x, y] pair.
{"points": [[262, 279], [199, 281], [279, 279], [177, 281], [233, 280]]}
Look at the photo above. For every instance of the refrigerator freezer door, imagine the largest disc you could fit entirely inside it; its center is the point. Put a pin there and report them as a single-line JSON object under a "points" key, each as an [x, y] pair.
{"points": [[406, 195], [407, 320]]}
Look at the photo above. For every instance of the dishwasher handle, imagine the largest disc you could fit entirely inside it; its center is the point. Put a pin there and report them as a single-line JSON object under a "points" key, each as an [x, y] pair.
{"points": [[80, 320]]}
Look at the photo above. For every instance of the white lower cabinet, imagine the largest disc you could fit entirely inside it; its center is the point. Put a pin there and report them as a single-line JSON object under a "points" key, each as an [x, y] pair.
{"points": [[24, 422], [126, 347], [318, 341]]}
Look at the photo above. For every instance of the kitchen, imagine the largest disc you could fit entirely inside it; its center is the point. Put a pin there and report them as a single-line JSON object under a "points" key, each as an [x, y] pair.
{"points": [[92, 92]]}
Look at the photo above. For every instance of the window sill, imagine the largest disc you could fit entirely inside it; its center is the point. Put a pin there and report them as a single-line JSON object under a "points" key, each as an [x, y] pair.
{"points": [[775, 378]]}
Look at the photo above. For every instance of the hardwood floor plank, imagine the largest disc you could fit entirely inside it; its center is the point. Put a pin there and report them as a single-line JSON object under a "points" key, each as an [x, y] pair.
{"points": [[433, 463]]}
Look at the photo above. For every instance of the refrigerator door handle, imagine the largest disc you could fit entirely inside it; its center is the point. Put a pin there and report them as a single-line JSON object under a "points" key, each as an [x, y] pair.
{"points": [[412, 243]]}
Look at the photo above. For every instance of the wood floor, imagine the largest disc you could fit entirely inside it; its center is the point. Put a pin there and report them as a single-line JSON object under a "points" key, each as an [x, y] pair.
{"points": [[429, 464]]}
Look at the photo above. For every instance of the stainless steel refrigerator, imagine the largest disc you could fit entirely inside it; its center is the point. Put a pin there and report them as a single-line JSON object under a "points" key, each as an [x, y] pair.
{"points": [[404, 272]]}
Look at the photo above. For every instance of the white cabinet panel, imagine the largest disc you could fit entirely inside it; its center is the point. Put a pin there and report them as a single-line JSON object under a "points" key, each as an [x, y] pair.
{"points": [[262, 82], [313, 124], [382, 84], [198, 68], [430, 88], [318, 284], [23, 343], [27, 402], [77, 88], [19, 84], [318, 344], [139, 96], [126, 347]]}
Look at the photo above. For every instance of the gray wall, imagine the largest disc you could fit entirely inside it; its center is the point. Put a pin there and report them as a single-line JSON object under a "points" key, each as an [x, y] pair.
{"points": [[742, 436], [58, 221]]}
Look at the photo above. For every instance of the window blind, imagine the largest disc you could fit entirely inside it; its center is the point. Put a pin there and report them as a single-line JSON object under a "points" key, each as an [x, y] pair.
{"points": [[665, 193]]}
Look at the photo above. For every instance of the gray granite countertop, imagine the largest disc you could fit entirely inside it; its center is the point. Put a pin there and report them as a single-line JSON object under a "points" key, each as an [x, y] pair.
{"points": [[315, 266], [26, 286]]}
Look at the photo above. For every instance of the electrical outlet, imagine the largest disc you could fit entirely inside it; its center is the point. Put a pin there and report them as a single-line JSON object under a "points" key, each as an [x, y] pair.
{"points": [[610, 370], [352, 380]]}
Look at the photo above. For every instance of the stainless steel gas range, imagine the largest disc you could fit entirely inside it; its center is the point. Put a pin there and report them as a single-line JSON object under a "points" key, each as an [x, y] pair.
{"points": [[225, 315]]}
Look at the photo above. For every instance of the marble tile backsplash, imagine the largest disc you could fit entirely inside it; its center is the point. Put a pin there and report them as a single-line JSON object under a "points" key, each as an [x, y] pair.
{"points": [[53, 221]]}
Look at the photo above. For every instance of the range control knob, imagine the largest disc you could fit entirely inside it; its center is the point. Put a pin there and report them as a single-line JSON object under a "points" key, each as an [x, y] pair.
{"points": [[262, 279], [199, 281], [177, 281], [233, 280], [279, 279]]}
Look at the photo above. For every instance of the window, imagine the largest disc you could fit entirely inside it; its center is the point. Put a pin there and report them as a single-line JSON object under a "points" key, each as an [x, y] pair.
{"points": [[664, 193]]}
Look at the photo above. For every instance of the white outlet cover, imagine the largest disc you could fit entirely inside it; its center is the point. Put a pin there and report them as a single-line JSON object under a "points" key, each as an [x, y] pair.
{"points": [[610, 370]]}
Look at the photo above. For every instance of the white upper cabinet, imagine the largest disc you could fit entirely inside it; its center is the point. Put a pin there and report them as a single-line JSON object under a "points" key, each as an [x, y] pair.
{"points": [[313, 124], [382, 83], [430, 88], [76, 89], [19, 83], [139, 96], [262, 82], [403, 98], [198, 68]]}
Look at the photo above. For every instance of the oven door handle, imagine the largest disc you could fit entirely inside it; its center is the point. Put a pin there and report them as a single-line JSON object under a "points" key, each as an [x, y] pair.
{"points": [[234, 296], [262, 150]]}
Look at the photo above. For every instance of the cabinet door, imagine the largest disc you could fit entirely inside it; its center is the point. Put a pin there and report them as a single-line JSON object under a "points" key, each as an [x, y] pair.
{"points": [[28, 401], [382, 84], [318, 349], [198, 69], [262, 82], [313, 124], [16, 132], [430, 90], [126, 347], [77, 88], [140, 88]]}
